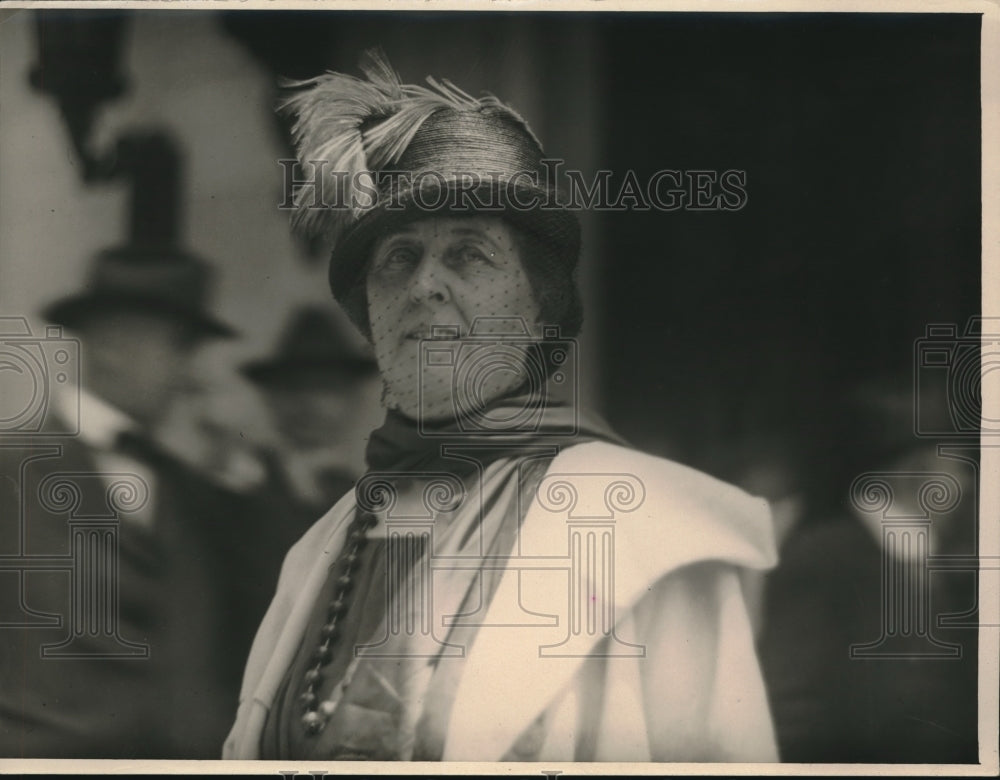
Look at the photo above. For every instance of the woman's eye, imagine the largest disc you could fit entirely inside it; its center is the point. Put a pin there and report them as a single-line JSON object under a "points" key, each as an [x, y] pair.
{"points": [[471, 255], [397, 259]]}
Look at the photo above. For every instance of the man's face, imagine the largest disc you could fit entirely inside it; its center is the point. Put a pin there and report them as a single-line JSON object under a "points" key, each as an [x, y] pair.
{"points": [[310, 416], [442, 272], [140, 361]]}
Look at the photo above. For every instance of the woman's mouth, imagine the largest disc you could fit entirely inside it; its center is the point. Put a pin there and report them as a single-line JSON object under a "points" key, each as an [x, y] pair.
{"points": [[433, 333]]}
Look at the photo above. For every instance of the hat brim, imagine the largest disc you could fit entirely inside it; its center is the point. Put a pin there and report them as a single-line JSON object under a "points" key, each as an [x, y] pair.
{"points": [[72, 311], [554, 225]]}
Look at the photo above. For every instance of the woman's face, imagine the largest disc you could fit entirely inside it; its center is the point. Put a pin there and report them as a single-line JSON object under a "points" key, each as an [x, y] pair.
{"points": [[442, 273]]}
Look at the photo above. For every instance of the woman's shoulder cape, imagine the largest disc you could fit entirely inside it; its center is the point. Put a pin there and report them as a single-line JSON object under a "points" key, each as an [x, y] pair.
{"points": [[672, 515], [650, 517]]}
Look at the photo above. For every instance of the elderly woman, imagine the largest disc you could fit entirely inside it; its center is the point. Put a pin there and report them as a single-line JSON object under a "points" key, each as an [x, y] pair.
{"points": [[508, 581]]}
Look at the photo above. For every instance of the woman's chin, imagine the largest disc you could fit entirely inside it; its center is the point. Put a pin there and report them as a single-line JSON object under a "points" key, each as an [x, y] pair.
{"points": [[422, 410], [440, 403]]}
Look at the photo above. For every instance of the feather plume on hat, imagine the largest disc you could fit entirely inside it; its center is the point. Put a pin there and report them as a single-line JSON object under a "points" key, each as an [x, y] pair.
{"points": [[354, 127]]}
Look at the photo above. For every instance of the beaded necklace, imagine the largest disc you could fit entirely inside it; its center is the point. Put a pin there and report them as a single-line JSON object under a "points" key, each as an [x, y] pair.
{"points": [[317, 713]]}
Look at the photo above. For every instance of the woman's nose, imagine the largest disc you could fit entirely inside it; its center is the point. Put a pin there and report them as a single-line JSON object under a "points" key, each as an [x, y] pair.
{"points": [[428, 283]]}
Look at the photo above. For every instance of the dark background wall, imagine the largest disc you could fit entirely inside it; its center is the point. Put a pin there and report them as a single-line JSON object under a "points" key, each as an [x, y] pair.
{"points": [[860, 138]]}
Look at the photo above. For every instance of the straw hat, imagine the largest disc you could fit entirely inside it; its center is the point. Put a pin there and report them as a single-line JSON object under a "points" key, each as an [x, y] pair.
{"points": [[390, 153]]}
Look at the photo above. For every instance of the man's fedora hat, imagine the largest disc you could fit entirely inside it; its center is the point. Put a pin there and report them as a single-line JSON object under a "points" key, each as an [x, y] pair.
{"points": [[313, 350], [427, 150], [166, 281]]}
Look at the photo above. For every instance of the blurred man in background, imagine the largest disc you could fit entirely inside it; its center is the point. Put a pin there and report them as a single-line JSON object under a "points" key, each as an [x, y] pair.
{"points": [[859, 575], [152, 670], [316, 385], [321, 389]]}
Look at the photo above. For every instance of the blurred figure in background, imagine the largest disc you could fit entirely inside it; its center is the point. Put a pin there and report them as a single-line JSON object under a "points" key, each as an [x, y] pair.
{"points": [[321, 389], [140, 321], [904, 701], [766, 464], [315, 387]]}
